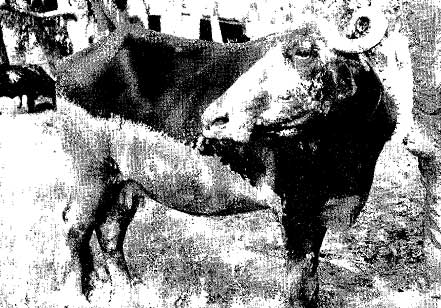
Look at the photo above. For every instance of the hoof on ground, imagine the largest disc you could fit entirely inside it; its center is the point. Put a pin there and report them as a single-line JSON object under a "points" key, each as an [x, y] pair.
{"points": [[66, 297], [135, 294]]}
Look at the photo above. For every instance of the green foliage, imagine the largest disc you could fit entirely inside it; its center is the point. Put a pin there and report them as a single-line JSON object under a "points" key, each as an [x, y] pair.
{"points": [[51, 33]]}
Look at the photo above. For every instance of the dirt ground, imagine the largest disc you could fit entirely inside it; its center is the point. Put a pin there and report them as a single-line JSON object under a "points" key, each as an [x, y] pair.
{"points": [[186, 261], [238, 261]]}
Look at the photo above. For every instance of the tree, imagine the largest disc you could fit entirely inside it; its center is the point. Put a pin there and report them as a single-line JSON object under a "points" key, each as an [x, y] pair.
{"points": [[424, 140], [59, 27], [37, 17], [4, 59]]}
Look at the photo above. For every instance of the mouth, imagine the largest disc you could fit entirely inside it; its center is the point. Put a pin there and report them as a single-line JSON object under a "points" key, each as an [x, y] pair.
{"points": [[286, 126]]}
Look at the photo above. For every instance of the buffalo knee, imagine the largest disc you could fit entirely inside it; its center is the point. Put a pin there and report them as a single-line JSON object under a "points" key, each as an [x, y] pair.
{"points": [[118, 210]]}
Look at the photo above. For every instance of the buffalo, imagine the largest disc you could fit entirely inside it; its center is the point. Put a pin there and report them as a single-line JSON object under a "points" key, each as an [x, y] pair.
{"points": [[302, 112], [316, 119], [30, 80]]}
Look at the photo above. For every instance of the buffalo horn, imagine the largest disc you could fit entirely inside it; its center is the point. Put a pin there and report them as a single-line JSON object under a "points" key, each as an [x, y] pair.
{"points": [[377, 30]]}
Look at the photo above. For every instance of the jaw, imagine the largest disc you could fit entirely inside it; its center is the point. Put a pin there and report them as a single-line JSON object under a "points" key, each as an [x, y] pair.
{"points": [[285, 125], [226, 132], [280, 125]]}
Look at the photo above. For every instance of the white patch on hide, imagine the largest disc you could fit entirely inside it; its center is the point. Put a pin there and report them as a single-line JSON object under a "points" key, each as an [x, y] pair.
{"points": [[256, 91], [177, 174], [13, 76]]}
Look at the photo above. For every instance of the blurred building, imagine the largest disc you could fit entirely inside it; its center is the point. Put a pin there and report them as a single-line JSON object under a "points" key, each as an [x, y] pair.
{"points": [[219, 20]]}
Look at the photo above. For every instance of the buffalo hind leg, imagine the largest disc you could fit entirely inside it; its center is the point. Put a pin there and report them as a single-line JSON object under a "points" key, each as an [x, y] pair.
{"points": [[116, 213], [78, 241], [79, 217], [303, 239]]}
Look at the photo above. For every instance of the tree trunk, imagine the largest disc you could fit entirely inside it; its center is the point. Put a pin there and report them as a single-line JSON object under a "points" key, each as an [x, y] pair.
{"points": [[425, 141], [3, 54]]}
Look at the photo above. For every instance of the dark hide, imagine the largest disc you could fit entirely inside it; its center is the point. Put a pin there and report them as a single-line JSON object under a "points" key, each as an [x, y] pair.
{"points": [[167, 83], [30, 80], [154, 78], [322, 165]]}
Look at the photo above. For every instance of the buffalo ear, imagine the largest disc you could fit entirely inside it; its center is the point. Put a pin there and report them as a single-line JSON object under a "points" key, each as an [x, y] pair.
{"points": [[345, 82]]}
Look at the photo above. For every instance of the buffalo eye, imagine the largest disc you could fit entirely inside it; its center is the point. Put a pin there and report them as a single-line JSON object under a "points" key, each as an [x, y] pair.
{"points": [[302, 53], [306, 50], [300, 50], [219, 121]]}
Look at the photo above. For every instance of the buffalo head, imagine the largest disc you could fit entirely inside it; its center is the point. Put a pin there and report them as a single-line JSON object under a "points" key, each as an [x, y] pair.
{"points": [[311, 75]]}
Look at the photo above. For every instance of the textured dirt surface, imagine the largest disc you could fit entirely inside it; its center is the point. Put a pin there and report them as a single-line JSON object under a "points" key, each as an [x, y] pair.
{"points": [[186, 261], [238, 261]]}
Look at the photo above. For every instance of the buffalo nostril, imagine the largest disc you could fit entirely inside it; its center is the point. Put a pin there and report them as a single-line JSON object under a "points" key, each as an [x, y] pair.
{"points": [[406, 140]]}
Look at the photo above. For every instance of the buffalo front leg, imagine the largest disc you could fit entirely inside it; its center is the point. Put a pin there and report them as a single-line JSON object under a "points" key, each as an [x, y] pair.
{"points": [[303, 239], [117, 211]]}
